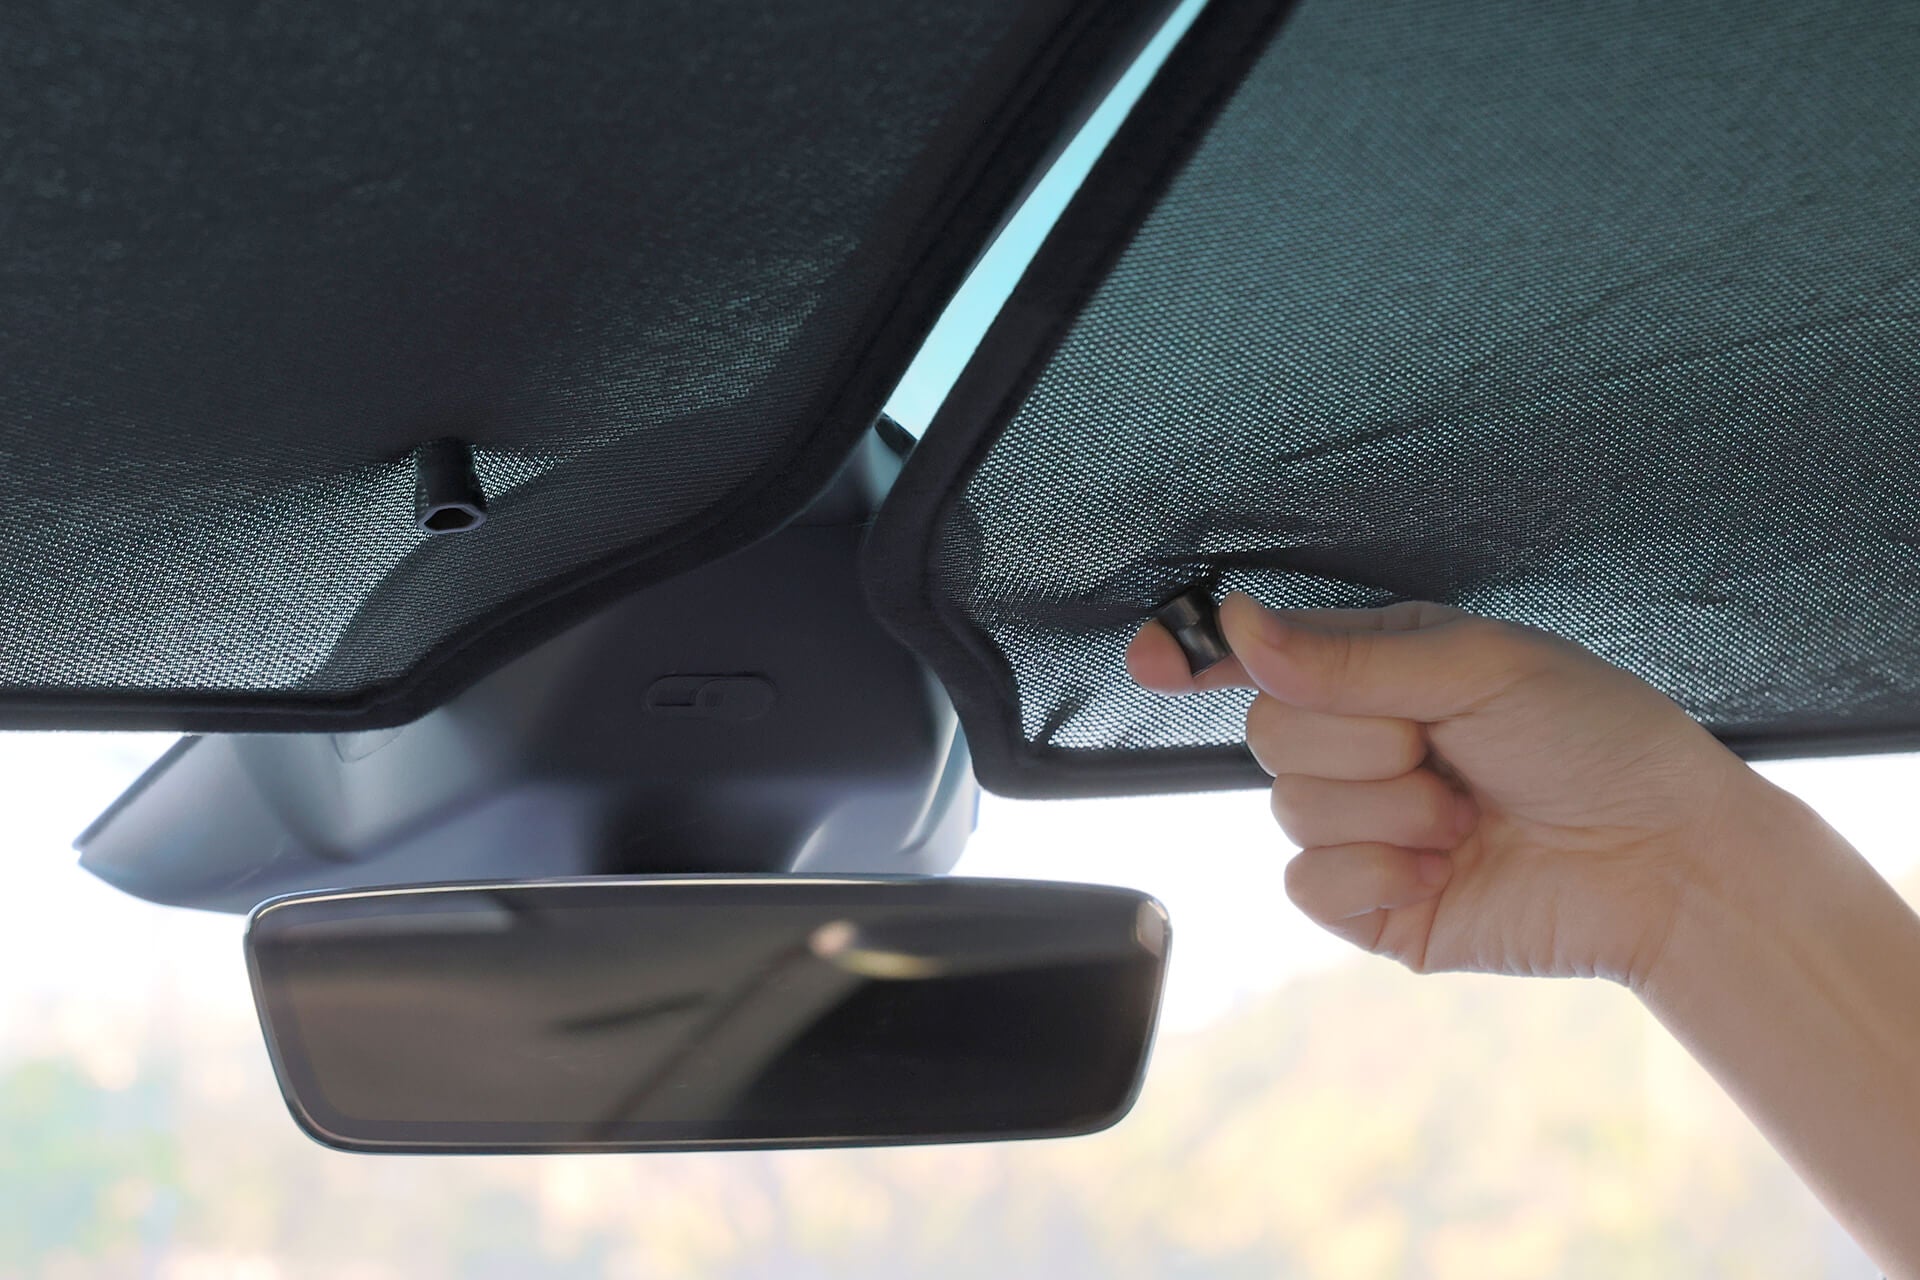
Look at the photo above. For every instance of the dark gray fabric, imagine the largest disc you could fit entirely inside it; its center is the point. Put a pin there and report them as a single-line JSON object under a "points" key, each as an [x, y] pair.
{"points": [[1599, 316], [254, 254]]}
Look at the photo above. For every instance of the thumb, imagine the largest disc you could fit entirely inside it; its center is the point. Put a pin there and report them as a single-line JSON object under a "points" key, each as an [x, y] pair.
{"points": [[1423, 663]]}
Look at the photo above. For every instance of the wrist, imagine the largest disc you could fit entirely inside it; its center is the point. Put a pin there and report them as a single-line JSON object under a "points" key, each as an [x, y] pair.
{"points": [[1787, 973], [1758, 850]]}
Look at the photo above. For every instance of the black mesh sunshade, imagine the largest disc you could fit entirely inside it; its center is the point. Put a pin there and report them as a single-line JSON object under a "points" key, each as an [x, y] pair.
{"points": [[1603, 317], [659, 263]]}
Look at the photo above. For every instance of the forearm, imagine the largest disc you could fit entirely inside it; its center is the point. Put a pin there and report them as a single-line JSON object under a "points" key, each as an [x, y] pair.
{"points": [[1796, 982]]}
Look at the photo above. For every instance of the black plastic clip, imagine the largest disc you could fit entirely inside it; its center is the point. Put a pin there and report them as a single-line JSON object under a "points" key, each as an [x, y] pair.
{"points": [[1194, 619], [447, 495]]}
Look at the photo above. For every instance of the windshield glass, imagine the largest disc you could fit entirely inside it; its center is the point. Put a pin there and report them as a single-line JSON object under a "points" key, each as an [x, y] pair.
{"points": [[1309, 1111]]}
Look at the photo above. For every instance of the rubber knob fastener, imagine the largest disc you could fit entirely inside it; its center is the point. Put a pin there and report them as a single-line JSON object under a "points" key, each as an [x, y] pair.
{"points": [[1194, 619]]}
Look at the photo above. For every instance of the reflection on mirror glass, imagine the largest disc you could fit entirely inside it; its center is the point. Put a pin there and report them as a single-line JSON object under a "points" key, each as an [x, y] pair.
{"points": [[628, 1014]]}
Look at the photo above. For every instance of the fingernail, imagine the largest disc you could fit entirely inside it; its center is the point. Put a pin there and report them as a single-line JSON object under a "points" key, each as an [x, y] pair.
{"points": [[1435, 868]]}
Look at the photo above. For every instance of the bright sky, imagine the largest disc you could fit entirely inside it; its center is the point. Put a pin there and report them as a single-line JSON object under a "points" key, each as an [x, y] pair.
{"points": [[966, 318]]}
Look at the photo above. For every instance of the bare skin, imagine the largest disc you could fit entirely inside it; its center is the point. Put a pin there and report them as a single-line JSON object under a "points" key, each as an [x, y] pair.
{"points": [[1474, 795]]}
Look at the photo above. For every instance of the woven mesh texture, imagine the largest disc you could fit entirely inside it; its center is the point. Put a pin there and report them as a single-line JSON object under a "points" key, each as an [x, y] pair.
{"points": [[1603, 317], [253, 255]]}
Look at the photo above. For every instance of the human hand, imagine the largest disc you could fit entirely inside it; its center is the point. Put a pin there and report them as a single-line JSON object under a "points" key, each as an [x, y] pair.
{"points": [[1471, 794]]}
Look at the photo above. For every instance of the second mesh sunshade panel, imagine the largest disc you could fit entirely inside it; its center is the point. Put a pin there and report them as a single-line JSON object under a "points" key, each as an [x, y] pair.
{"points": [[1600, 317]]}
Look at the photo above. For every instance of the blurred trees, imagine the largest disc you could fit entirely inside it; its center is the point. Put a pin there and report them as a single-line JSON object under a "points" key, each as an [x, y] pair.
{"points": [[85, 1173], [1356, 1123]]}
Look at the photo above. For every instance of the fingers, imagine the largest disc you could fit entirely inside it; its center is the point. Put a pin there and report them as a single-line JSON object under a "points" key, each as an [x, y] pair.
{"points": [[1420, 662], [1342, 887], [1286, 739], [1344, 698], [1414, 811], [1155, 661]]}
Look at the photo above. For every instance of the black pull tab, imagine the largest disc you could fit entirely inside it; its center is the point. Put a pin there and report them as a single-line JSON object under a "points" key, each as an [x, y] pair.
{"points": [[1194, 619]]}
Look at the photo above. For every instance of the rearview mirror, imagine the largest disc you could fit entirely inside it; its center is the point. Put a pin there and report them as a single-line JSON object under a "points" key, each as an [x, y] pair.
{"points": [[675, 1013]]}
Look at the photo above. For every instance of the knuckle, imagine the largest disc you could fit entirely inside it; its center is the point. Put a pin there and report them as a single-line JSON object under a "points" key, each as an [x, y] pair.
{"points": [[1512, 645], [1329, 663], [1301, 881], [1290, 802], [1412, 615], [1402, 746], [1434, 795], [1435, 809], [1288, 791], [1432, 613], [1488, 633], [1262, 714], [1494, 654], [1263, 731], [1413, 797]]}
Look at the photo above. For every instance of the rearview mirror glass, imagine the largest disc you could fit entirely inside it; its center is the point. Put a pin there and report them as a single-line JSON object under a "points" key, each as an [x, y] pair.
{"points": [[674, 1013]]}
